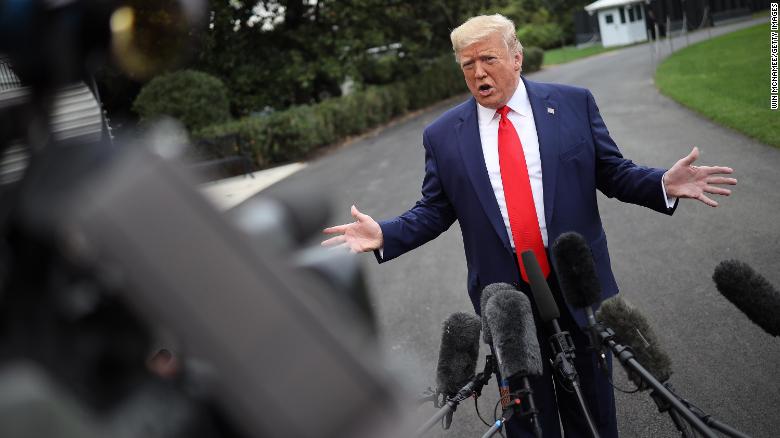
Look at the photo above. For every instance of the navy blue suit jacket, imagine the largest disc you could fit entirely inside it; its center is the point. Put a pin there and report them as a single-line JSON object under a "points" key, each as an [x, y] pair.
{"points": [[578, 156]]}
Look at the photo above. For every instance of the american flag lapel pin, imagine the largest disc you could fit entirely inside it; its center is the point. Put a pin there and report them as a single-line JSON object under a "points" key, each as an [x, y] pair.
{"points": [[550, 110]]}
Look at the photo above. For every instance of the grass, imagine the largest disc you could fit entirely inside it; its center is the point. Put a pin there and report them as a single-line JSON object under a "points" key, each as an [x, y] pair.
{"points": [[570, 53], [727, 80]]}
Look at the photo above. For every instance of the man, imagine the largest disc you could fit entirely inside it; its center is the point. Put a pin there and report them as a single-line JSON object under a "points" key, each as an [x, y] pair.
{"points": [[517, 165]]}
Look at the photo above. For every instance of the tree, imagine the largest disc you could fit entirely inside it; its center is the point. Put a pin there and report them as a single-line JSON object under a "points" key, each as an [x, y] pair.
{"points": [[278, 53]]}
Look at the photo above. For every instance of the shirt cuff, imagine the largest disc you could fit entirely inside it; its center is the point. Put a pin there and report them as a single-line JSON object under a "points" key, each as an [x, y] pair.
{"points": [[670, 201]]}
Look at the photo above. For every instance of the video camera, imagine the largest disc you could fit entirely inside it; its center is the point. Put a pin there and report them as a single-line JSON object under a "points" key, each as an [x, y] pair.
{"points": [[108, 253]]}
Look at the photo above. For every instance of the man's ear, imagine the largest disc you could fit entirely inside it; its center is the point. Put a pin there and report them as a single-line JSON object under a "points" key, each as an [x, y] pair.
{"points": [[518, 61]]}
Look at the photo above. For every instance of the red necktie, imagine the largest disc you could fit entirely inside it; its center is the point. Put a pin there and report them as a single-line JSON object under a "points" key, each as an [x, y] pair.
{"points": [[517, 192]]}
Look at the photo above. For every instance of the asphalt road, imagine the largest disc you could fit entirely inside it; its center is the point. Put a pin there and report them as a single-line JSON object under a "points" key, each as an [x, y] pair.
{"points": [[664, 265]]}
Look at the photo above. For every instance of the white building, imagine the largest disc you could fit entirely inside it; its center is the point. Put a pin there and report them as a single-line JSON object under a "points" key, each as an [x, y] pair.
{"points": [[620, 21]]}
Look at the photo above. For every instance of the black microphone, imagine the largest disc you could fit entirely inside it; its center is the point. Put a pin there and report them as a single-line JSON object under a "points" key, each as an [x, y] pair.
{"points": [[751, 293], [579, 282], [510, 320], [561, 342], [458, 352], [633, 330]]}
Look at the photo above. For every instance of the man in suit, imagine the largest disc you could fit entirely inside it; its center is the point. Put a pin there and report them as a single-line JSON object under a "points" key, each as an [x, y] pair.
{"points": [[517, 165]]}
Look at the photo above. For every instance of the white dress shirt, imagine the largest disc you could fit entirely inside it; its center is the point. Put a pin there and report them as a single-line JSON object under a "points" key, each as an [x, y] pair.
{"points": [[522, 118]]}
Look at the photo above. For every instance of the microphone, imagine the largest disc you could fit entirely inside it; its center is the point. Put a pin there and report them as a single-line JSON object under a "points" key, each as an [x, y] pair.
{"points": [[560, 342], [487, 293], [511, 323], [576, 272], [458, 352], [649, 367], [455, 376], [579, 283], [510, 320], [633, 330], [751, 293]]}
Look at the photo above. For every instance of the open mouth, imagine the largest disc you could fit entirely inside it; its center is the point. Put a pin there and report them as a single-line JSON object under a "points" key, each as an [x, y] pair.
{"points": [[485, 89]]}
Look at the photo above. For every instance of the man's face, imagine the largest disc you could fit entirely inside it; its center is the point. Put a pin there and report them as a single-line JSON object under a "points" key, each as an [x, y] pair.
{"points": [[491, 72]]}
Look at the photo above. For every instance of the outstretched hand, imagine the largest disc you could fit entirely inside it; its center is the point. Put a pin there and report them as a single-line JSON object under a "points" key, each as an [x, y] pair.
{"points": [[684, 180], [360, 236]]}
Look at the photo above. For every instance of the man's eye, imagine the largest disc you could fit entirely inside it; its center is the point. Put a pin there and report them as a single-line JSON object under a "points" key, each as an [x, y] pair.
{"points": [[468, 66], [491, 59]]}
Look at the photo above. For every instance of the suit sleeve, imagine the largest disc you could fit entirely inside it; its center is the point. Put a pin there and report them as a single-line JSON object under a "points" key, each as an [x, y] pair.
{"points": [[431, 215], [618, 177]]}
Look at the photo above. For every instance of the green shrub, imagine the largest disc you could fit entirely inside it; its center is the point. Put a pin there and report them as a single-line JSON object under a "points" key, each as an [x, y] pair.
{"points": [[195, 98], [533, 57], [294, 133], [544, 35], [379, 70]]}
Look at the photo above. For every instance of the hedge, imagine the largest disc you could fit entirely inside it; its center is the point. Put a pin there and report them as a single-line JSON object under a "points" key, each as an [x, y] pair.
{"points": [[533, 57], [544, 35], [195, 98], [294, 133]]}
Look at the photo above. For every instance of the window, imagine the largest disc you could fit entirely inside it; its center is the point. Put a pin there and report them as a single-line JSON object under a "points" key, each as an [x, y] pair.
{"points": [[608, 18], [638, 11], [622, 15], [631, 14]]}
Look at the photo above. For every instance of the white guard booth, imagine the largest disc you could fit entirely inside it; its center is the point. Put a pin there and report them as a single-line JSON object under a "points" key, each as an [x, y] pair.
{"points": [[620, 21]]}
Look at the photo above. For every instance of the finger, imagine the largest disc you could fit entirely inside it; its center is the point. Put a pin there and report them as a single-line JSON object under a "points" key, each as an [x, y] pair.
{"points": [[703, 198], [717, 190], [334, 241], [721, 180], [710, 170], [336, 229], [687, 161], [355, 212], [343, 247], [358, 215]]}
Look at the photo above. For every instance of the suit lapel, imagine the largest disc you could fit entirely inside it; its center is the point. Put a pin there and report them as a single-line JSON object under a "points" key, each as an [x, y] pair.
{"points": [[546, 115], [469, 144]]}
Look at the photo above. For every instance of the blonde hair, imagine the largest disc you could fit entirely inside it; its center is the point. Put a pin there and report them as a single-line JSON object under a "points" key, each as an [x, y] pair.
{"points": [[478, 28]]}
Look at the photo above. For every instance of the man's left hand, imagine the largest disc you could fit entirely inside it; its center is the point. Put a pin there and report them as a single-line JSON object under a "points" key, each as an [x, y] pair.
{"points": [[684, 180]]}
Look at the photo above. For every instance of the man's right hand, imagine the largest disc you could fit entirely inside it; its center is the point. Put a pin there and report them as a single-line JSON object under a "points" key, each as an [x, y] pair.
{"points": [[363, 235]]}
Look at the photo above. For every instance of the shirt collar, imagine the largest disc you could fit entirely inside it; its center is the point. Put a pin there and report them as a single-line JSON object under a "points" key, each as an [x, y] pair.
{"points": [[519, 104]]}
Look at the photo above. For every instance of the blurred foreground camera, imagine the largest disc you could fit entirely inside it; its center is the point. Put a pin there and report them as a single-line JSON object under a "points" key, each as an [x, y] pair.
{"points": [[129, 306]]}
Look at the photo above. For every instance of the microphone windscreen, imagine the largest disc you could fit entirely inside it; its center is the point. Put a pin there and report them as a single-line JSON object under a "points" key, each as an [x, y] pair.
{"points": [[511, 320], [751, 293], [633, 330], [487, 293], [545, 303], [576, 270], [458, 352]]}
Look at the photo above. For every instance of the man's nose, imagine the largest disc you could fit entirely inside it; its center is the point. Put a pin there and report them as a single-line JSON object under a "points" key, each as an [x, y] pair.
{"points": [[479, 72]]}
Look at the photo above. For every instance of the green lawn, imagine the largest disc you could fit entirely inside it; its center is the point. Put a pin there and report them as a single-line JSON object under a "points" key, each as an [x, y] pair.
{"points": [[570, 53], [727, 80]]}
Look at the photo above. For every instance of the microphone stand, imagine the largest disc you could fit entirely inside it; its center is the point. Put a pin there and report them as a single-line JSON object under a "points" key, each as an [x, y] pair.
{"points": [[707, 419], [474, 387], [515, 406], [563, 351], [429, 395], [626, 357], [663, 406]]}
